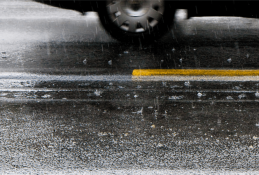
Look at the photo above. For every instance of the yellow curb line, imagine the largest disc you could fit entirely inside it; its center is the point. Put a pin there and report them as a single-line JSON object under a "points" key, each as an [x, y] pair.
{"points": [[194, 72]]}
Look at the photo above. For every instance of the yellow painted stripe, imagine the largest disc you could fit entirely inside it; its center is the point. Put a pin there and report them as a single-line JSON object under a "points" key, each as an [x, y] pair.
{"points": [[194, 72]]}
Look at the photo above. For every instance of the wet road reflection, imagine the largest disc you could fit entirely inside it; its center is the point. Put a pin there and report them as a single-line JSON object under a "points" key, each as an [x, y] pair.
{"points": [[113, 58]]}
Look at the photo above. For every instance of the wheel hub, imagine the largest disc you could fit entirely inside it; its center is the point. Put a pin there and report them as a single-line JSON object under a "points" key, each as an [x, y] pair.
{"points": [[135, 15], [135, 8]]}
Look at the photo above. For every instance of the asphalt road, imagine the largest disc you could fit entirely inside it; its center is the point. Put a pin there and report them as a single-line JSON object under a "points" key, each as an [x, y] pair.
{"points": [[69, 104]]}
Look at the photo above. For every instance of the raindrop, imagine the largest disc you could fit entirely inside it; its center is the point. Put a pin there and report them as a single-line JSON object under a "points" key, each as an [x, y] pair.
{"points": [[247, 55], [85, 62], [110, 62], [110, 84], [135, 96], [181, 60], [173, 50], [140, 111], [139, 86], [229, 60], [194, 49], [257, 94], [162, 61], [219, 121], [3, 55], [126, 52]]}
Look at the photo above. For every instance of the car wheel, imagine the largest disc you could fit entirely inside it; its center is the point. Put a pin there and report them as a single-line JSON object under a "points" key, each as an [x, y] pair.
{"points": [[136, 20]]}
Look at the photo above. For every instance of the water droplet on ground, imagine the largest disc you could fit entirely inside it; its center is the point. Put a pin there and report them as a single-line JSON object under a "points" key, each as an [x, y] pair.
{"points": [[97, 92], [46, 96], [241, 96], [251, 147], [237, 88], [199, 95], [159, 145], [175, 97], [187, 83], [164, 84], [3, 94], [229, 98], [102, 134]]}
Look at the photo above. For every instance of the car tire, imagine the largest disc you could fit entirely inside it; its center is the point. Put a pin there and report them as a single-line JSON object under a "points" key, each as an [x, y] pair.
{"points": [[128, 21]]}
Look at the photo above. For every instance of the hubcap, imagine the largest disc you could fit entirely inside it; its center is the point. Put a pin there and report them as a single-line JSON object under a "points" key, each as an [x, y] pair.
{"points": [[135, 15]]}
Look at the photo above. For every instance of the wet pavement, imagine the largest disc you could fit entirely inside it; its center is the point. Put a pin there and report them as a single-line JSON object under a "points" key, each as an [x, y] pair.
{"points": [[70, 105]]}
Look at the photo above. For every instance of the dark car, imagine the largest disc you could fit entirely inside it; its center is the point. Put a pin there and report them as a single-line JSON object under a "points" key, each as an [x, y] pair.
{"points": [[148, 20]]}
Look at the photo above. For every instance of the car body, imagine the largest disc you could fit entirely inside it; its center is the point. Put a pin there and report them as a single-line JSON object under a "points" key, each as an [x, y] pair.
{"points": [[194, 7], [138, 21]]}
